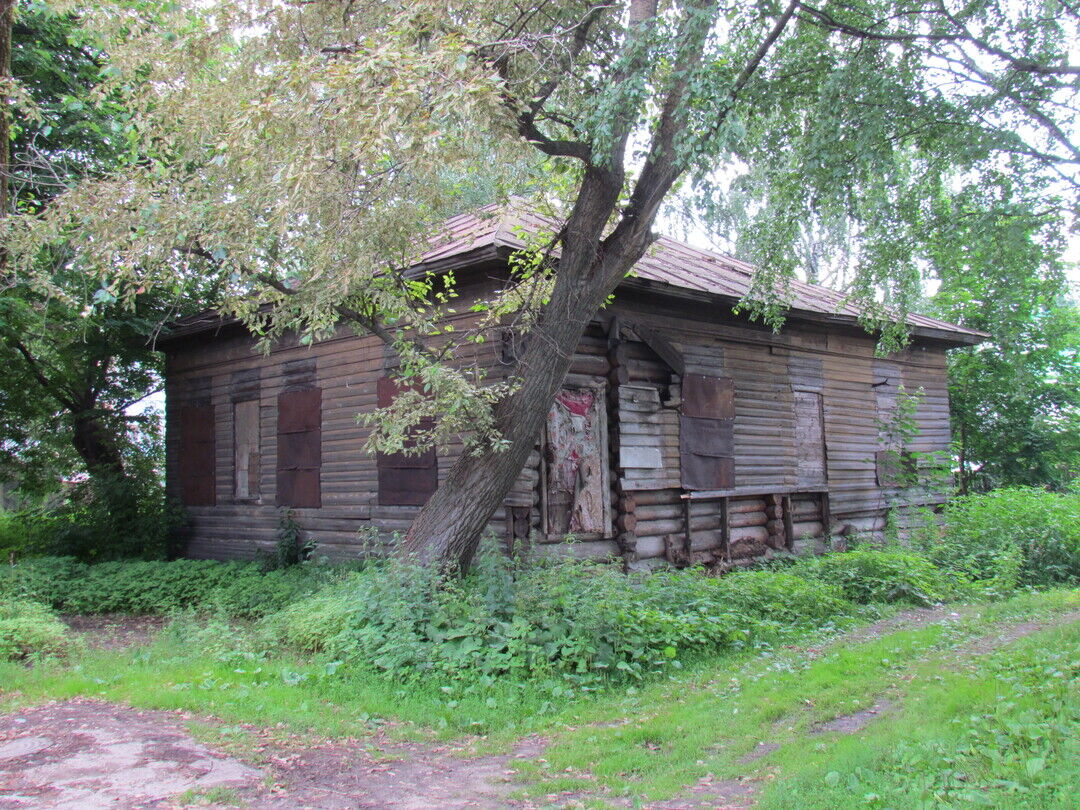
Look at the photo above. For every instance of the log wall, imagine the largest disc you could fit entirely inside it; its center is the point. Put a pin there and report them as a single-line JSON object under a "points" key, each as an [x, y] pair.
{"points": [[653, 523]]}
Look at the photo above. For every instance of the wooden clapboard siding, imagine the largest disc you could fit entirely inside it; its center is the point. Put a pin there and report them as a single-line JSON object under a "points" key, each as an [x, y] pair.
{"points": [[347, 368], [769, 372]]}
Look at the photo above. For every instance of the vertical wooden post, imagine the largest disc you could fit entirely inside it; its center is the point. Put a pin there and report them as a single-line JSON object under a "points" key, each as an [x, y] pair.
{"points": [[789, 529], [725, 530], [826, 516]]}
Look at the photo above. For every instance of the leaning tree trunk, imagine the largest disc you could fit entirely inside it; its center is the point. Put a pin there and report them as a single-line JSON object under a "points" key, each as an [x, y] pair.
{"points": [[447, 529]]}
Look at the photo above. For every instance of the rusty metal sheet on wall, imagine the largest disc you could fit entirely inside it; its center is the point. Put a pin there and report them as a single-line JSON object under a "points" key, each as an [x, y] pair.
{"points": [[299, 488], [405, 479], [708, 397], [197, 457], [299, 411], [707, 472], [707, 437], [576, 464]]}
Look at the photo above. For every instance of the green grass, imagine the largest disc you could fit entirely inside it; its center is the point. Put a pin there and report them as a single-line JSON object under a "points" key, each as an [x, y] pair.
{"points": [[680, 732], [653, 740], [211, 796]]}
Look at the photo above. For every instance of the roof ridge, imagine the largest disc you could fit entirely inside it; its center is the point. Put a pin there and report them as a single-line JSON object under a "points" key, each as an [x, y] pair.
{"points": [[669, 261]]}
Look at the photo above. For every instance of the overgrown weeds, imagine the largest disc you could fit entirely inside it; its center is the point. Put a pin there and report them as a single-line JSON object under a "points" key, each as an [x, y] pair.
{"points": [[237, 589], [1009, 538], [30, 630]]}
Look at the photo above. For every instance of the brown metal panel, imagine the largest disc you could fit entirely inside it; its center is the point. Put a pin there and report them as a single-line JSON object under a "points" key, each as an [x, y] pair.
{"points": [[198, 483], [707, 437], [300, 451], [707, 472], [708, 397], [196, 424], [405, 486], [299, 411], [299, 488], [306, 490], [405, 479], [386, 390]]}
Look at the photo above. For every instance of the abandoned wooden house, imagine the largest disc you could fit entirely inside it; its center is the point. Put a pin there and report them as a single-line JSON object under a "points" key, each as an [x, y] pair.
{"points": [[683, 432]]}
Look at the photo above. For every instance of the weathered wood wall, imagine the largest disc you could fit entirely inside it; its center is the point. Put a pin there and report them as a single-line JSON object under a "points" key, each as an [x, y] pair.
{"points": [[653, 524]]}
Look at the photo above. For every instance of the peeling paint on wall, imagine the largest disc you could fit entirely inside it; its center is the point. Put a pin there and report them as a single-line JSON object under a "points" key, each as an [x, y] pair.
{"points": [[575, 432]]}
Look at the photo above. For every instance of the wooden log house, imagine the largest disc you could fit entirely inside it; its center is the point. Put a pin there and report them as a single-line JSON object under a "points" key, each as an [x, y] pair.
{"points": [[683, 433]]}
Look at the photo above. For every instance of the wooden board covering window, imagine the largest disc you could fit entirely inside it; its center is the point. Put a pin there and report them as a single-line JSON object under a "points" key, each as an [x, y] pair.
{"points": [[707, 432], [811, 467], [246, 455], [299, 448], [198, 484], [405, 479]]}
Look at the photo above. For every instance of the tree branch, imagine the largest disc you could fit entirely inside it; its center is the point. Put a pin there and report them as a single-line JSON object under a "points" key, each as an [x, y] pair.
{"points": [[368, 322], [825, 19]]}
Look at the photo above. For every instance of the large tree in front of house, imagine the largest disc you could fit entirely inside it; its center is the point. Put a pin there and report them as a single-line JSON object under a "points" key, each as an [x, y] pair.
{"points": [[298, 150]]}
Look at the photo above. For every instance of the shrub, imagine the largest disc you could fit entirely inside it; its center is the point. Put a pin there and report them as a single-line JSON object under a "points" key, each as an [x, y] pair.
{"points": [[782, 597], [874, 575], [567, 622], [14, 534], [99, 519], [240, 589], [29, 629], [1011, 537]]}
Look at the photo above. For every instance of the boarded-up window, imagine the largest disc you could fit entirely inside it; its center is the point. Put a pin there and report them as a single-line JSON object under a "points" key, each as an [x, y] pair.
{"points": [[577, 470], [809, 439], [405, 479], [198, 485], [299, 448], [246, 454], [707, 432]]}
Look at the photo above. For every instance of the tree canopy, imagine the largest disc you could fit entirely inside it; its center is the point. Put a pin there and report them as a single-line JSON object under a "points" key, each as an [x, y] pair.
{"points": [[295, 151]]}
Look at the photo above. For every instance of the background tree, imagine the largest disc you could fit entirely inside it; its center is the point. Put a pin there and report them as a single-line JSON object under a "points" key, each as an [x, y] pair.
{"points": [[73, 359], [70, 355], [1015, 398], [295, 150]]}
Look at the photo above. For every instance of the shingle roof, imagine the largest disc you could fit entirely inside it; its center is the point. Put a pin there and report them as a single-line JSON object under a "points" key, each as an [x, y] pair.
{"points": [[668, 261]]}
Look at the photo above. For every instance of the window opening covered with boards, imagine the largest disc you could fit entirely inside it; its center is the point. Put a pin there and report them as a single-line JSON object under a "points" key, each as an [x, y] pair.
{"points": [[406, 478], [576, 472], [299, 448]]}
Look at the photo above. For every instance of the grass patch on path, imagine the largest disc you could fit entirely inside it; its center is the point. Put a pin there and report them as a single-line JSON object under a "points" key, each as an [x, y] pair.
{"points": [[651, 745]]}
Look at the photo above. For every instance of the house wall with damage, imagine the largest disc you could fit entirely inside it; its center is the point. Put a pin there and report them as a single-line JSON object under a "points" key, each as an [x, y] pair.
{"points": [[682, 434]]}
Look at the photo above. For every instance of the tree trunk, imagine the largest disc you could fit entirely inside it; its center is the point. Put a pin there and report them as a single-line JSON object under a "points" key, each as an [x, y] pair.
{"points": [[448, 528], [7, 22], [95, 446]]}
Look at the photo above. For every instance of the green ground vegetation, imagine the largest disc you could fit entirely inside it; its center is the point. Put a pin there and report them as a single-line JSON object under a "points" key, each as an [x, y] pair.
{"points": [[641, 685]]}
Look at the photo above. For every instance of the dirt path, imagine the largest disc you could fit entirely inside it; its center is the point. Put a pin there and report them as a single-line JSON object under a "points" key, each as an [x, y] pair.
{"points": [[85, 755]]}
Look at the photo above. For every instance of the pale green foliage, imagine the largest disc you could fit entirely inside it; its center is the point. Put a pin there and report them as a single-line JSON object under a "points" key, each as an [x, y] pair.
{"points": [[30, 629], [298, 152]]}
